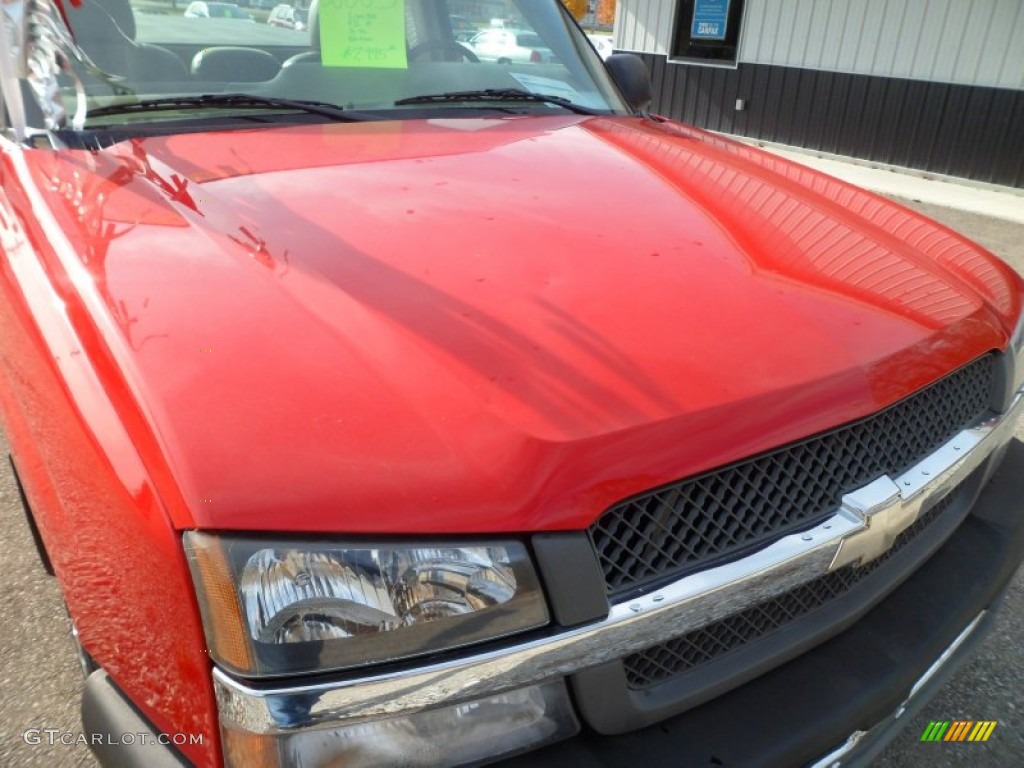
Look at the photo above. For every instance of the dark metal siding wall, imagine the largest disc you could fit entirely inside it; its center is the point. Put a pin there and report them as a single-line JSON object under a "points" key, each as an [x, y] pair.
{"points": [[960, 130]]}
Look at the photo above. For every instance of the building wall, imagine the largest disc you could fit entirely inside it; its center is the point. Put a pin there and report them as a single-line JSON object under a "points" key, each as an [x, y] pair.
{"points": [[932, 84], [973, 42], [643, 25]]}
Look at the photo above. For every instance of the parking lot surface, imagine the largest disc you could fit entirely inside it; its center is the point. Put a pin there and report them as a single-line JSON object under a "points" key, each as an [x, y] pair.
{"points": [[40, 682]]}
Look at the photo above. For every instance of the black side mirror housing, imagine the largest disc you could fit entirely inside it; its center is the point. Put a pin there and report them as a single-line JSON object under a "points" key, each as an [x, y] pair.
{"points": [[630, 73]]}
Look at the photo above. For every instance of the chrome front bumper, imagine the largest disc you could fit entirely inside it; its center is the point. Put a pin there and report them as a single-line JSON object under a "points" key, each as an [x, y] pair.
{"points": [[864, 528]]}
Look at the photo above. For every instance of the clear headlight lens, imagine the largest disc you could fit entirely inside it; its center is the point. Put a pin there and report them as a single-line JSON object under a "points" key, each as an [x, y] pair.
{"points": [[462, 734], [274, 608]]}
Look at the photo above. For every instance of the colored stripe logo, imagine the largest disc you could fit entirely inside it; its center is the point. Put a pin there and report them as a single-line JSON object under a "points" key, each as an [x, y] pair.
{"points": [[959, 730]]}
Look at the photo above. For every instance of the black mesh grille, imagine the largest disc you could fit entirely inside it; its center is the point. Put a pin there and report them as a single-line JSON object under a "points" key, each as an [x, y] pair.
{"points": [[681, 654], [690, 524]]}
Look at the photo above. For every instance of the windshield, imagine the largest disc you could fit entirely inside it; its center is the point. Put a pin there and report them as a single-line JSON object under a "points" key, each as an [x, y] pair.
{"points": [[378, 58]]}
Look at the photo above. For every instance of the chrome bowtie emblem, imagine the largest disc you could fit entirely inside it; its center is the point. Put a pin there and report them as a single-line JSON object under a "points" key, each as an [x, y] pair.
{"points": [[879, 507]]}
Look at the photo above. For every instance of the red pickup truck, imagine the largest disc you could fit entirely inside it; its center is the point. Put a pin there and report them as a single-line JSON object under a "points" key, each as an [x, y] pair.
{"points": [[379, 406]]}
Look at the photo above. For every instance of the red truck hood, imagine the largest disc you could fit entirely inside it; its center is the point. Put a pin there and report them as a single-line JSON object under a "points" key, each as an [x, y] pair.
{"points": [[495, 325]]}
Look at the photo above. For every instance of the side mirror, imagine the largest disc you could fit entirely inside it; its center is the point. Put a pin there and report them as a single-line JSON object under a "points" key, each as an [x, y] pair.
{"points": [[630, 73]]}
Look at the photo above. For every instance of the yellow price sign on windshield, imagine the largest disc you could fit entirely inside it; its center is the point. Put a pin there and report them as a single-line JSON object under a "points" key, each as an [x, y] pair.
{"points": [[363, 33]]}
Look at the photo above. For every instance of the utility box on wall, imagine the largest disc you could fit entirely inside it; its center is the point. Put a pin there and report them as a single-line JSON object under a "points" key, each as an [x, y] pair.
{"points": [[936, 85]]}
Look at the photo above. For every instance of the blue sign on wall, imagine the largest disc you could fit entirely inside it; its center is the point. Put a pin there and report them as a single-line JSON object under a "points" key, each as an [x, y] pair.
{"points": [[710, 19]]}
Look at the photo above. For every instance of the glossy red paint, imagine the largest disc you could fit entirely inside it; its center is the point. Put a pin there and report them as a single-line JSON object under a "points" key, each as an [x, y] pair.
{"points": [[494, 325], [88, 467]]}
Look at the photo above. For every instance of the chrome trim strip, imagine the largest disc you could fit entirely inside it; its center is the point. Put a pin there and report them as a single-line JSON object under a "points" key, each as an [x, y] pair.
{"points": [[869, 518], [941, 661], [834, 759]]}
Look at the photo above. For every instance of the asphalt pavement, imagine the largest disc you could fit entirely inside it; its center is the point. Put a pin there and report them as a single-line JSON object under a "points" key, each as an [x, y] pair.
{"points": [[40, 681]]}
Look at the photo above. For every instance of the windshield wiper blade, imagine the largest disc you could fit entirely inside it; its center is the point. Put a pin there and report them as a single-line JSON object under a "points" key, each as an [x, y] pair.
{"points": [[497, 94], [226, 101]]}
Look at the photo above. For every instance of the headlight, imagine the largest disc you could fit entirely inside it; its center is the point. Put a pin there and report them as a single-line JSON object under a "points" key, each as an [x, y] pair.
{"points": [[273, 608]]}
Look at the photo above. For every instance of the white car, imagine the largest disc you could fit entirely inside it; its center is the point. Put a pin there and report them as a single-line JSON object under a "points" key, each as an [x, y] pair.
{"points": [[604, 45], [201, 9], [288, 17], [510, 46]]}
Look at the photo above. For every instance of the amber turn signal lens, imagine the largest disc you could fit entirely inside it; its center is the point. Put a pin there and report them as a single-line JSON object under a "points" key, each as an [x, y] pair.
{"points": [[218, 601]]}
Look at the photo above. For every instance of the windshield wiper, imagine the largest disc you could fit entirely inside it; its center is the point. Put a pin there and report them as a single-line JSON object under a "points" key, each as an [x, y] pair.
{"points": [[226, 101], [497, 94]]}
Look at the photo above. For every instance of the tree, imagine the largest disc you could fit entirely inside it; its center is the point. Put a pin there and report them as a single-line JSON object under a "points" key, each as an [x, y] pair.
{"points": [[606, 12], [578, 8]]}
